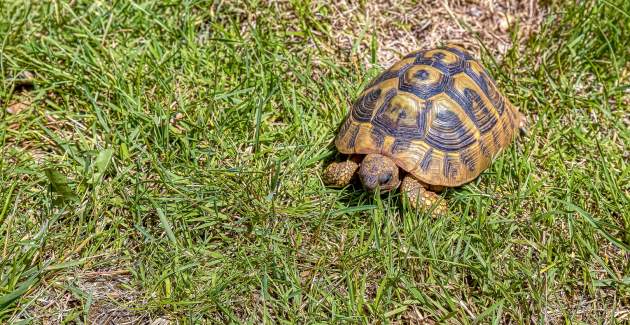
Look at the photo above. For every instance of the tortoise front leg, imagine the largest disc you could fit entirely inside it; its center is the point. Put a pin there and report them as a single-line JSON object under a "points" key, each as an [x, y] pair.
{"points": [[421, 198], [339, 174]]}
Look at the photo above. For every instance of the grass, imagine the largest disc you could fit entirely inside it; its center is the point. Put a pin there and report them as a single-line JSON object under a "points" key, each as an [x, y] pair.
{"points": [[165, 164]]}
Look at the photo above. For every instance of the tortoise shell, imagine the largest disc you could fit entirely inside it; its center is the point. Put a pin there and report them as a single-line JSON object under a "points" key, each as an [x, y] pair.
{"points": [[438, 114]]}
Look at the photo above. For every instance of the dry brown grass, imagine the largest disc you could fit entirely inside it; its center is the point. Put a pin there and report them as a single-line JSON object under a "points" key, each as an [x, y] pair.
{"points": [[403, 26], [397, 26], [109, 292]]}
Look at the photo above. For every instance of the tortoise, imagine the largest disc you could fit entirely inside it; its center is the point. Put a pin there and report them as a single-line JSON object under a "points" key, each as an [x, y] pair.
{"points": [[434, 119]]}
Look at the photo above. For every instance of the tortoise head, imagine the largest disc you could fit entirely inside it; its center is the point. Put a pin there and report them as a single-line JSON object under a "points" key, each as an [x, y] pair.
{"points": [[378, 171]]}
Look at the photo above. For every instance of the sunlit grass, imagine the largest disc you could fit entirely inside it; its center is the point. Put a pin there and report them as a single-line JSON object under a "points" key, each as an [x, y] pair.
{"points": [[167, 166]]}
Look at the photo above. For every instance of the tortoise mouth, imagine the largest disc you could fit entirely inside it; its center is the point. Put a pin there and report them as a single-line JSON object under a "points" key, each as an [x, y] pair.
{"points": [[382, 188]]}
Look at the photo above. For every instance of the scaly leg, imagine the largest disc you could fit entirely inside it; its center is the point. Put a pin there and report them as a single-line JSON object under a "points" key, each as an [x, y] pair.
{"points": [[339, 174], [421, 198]]}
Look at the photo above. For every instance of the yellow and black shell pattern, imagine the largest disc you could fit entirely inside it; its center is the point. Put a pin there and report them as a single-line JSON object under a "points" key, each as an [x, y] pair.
{"points": [[437, 113]]}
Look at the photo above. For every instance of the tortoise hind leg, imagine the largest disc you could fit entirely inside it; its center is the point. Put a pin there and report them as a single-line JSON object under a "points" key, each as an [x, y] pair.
{"points": [[421, 198], [339, 174]]}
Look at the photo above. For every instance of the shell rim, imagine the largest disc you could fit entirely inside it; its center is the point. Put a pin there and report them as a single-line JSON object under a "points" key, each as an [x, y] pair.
{"points": [[421, 177]]}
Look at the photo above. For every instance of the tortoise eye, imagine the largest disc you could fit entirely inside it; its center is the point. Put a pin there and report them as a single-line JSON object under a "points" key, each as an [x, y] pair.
{"points": [[385, 178]]}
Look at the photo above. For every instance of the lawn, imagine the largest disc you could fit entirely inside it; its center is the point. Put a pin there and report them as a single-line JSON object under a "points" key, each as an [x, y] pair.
{"points": [[160, 162]]}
